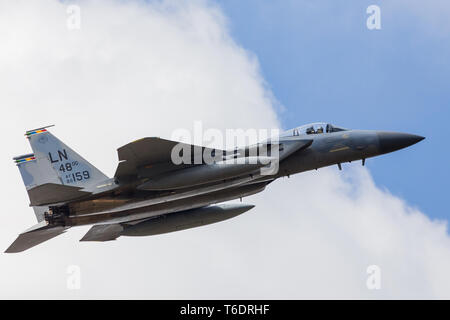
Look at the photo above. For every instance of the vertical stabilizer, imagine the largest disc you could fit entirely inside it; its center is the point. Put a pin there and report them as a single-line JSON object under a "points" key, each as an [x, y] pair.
{"points": [[70, 168]]}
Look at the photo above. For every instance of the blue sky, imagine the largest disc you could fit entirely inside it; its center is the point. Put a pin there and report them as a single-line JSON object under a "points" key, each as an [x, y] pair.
{"points": [[323, 64]]}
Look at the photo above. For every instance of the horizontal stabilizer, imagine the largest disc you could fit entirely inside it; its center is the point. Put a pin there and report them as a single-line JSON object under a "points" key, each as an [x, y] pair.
{"points": [[103, 232], [54, 193], [35, 235]]}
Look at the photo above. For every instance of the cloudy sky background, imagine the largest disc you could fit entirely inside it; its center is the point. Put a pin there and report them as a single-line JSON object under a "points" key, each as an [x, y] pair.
{"points": [[140, 69]]}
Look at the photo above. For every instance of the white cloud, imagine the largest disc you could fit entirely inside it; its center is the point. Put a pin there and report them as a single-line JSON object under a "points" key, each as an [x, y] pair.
{"points": [[146, 69]]}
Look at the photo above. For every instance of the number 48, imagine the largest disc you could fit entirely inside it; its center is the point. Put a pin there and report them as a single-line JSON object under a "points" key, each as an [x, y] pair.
{"points": [[66, 167]]}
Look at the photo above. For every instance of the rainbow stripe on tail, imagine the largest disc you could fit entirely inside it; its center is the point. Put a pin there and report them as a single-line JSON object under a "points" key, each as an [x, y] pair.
{"points": [[24, 158]]}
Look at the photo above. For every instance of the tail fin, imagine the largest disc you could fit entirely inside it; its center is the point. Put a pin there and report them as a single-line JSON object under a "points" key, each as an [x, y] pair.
{"points": [[31, 175], [34, 174], [71, 169], [54, 172]]}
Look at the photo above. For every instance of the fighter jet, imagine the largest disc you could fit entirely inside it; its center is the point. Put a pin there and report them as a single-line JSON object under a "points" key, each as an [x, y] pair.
{"points": [[152, 194]]}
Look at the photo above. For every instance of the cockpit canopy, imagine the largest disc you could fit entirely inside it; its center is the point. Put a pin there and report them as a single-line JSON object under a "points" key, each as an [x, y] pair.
{"points": [[312, 128]]}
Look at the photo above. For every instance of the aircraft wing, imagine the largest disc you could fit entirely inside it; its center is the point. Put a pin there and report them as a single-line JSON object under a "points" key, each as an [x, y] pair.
{"points": [[149, 157], [35, 235]]}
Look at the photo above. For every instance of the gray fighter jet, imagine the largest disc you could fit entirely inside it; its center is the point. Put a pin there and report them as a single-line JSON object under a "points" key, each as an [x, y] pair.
{"points": [[151, 193]]}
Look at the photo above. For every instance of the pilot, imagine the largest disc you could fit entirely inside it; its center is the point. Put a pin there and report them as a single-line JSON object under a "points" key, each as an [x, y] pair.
{"points": [[310, 130], [319, 130]]}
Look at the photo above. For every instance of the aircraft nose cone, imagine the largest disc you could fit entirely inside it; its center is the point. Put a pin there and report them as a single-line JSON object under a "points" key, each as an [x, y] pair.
{"points": [[392, 141]]}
